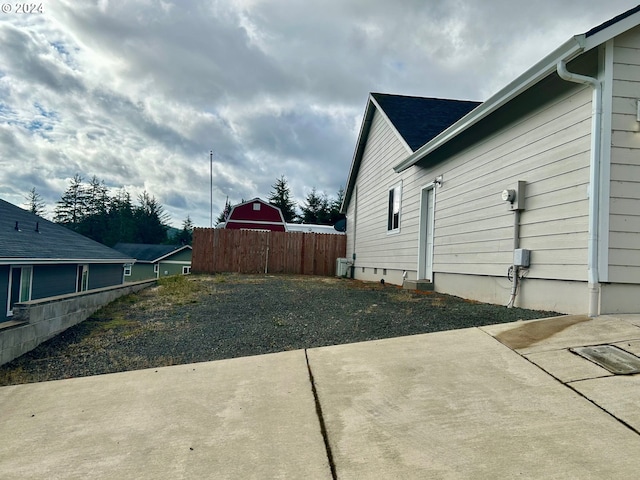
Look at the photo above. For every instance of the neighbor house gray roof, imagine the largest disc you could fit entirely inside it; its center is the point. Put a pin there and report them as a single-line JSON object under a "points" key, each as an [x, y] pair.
{"points": [[149, 253], [28, 238]]}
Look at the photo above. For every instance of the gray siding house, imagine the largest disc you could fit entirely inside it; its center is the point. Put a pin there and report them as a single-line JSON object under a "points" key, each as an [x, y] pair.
{"points": [[40, 259], [530, 199], [155, 261]]}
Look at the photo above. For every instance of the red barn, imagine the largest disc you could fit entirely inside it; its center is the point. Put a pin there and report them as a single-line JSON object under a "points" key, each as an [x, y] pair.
{"points": [[256, 214]]}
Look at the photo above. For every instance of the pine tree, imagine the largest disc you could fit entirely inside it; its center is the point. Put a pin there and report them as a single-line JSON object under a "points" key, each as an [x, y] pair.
{"points": [[151, 220], [185, 236], [224, 214], [71, 208], [316, 208], [94, 223], [34, 202], [334, 208], [280, 196], [120, 221]]}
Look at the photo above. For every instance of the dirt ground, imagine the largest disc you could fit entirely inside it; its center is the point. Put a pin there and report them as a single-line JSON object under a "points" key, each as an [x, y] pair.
{"points": [[211, 317]]}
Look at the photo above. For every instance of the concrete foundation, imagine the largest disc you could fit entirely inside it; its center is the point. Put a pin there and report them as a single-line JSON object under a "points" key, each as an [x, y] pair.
{"points": [[36, 321]]}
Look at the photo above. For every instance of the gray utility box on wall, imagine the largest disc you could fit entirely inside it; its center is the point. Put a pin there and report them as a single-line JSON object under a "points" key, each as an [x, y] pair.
{"points": [[521, 257]]}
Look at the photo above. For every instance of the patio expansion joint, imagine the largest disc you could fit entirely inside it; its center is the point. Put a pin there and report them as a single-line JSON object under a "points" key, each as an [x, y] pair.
{"points": [[323, 428], [570, 387], [618, 419]]}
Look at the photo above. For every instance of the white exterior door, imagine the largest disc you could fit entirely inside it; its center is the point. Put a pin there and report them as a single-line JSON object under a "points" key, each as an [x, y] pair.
{"points": [[425, 255]]}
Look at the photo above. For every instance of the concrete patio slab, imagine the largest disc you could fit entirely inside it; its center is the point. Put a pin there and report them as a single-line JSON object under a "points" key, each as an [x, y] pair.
{"points": [[557, 333], [246, 418], [567, 366], [618, 395], [459, 404]]}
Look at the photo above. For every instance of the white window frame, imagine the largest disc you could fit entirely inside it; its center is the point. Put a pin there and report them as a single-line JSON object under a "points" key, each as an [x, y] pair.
{"points": [[127, 270], [82, 278], [22, 269], [186, 269], [394, 208]]}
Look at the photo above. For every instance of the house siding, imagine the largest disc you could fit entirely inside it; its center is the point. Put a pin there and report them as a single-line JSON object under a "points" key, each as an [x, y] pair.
{"points": [[105, 275], [624, 205], [141, 271], [548, 148], [53, 280], [374, 245]]}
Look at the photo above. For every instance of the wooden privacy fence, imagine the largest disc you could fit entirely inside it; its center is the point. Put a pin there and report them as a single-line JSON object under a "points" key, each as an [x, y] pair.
{"points": [[251, 251]]}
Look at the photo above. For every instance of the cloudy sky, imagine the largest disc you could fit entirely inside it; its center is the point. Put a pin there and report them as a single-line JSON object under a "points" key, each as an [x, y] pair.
{"points": [[138, 92]]}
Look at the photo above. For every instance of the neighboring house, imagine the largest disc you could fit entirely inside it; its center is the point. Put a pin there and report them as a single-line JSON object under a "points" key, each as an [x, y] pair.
{"points": [[41, 259], [542, 179], [255, 214], [155, 261]]}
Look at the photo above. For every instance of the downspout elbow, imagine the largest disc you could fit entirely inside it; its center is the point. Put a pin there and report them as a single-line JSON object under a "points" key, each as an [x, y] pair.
{"points": [[561, 68]]}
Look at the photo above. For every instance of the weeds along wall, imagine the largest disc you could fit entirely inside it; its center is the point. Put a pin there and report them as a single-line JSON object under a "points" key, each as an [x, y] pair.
{"points": [[39, 320]]}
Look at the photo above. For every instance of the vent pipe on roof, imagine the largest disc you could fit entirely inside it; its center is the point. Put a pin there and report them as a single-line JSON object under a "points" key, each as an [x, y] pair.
{"points": [[38, 227], [594, 182], [17, 228]]}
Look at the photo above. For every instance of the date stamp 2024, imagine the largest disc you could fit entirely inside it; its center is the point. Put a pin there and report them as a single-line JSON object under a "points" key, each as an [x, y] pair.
{"points": [[19, 8]]}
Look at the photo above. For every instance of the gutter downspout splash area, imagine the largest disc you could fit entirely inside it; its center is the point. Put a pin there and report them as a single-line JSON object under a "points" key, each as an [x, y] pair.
{"points": [[594, 182]]}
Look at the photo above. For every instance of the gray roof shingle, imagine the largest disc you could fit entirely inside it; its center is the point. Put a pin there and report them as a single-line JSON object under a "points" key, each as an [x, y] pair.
{"points": [[28, 237], [419, 119], [144, 252]]}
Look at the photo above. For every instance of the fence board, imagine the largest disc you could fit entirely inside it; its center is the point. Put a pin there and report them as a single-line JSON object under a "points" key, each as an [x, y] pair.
{"points": [[250, 251]]}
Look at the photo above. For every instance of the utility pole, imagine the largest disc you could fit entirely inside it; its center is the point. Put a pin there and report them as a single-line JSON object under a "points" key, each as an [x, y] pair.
{"points": [[211, 185]]}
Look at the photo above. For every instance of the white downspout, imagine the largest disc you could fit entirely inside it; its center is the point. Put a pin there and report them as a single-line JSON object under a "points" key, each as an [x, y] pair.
{"points": [[594, 182]]}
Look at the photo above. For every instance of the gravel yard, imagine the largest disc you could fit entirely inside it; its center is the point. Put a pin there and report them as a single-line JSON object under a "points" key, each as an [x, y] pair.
{"points": [[211, 317]]}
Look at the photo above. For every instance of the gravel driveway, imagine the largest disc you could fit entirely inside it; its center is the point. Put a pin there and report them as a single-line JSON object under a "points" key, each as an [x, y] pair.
{"points": [[212, 317]]}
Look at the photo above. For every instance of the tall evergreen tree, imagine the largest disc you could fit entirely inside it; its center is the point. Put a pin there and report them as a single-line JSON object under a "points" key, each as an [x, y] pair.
{"points": [[280, 196], [151, 220], [120, 219], [316, 208], [71, 208], [34, 202], [185, 236], [94, 223], [334, 207], [224, 213]]}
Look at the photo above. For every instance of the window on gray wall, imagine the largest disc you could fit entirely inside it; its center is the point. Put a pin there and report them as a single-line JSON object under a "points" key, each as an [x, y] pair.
{"points": [[393, 216]]}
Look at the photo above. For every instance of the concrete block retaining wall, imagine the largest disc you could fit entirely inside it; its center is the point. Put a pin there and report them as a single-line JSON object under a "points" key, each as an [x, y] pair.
{"points": [[38, 320]]}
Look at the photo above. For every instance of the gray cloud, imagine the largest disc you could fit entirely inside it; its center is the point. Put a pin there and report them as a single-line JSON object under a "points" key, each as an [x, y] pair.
{"points": [[138, 92]]}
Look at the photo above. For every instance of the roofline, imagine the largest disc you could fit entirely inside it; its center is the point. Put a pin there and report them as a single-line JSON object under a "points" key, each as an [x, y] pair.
{"points": [[573, 47], [183, 247], [367, 118], [569, 50], [256, 199], [61, 261], [388, 120]]}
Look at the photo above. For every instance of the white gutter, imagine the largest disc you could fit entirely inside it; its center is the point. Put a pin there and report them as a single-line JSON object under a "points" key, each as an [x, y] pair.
{"points": [[569, 50], [594, 182], [62, 261]]}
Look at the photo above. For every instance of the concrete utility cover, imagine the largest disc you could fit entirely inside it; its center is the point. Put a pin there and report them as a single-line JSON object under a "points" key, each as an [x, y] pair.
{"points": [[610, 357]]}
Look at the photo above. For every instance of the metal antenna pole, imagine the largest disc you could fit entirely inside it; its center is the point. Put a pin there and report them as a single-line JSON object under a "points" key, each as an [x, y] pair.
{"points": [[211, 186]]}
